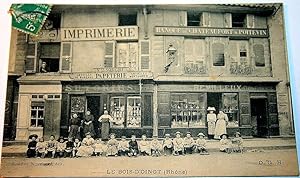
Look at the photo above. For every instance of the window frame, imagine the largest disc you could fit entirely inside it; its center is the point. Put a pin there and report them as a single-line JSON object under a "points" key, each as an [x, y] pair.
{"points": [[128, 14], [40, 101], [233, 22]]}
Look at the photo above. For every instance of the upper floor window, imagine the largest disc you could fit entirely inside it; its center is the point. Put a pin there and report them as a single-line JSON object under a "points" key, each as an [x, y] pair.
{"points": [[127, 19], [193, 19], [238, 20], [49, 57], [218, 54], [52, 22]]}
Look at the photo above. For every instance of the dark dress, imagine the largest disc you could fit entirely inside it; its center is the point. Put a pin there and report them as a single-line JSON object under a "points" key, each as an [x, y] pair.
{"points": [[88, 125], [31, 149], [133, 147], [74, 127], [69, 148]]}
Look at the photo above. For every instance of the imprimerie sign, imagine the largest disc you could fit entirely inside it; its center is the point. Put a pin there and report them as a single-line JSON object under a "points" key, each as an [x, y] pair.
{"points": [[100, 33], [204, 31]]}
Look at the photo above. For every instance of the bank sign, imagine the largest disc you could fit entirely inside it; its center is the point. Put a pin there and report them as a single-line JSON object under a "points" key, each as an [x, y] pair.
{"points": [[99, 33], [213, 32]]}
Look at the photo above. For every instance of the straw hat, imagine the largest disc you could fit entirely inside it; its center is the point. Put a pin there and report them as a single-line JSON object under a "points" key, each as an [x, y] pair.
{"points": [[167, 135], [211, 109], [201, 134], [224, 134]]}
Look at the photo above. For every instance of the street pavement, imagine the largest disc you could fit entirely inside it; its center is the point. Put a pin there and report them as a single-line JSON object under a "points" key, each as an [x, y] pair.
{"points": [[251, 163]]}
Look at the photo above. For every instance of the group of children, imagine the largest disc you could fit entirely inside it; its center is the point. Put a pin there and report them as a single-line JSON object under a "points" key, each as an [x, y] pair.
{"points": [[145, 147]]}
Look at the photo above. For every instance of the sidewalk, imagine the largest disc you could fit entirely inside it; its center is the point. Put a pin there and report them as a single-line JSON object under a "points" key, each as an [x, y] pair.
{"points": [[18, 149]]}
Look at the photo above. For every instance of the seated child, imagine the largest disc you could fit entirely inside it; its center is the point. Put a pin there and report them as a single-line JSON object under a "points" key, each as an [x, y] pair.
{"points": [[61, 146], [189, 143], [76, 146], [237, 143], [155, 147], [41, 147], [99, 147], [133, 147], [69, 147], [31, 147], [123, 146], [51, 146], [201, 144], [112, 146], [225, 144], [178, 144], [144, 146], [167, 145]]}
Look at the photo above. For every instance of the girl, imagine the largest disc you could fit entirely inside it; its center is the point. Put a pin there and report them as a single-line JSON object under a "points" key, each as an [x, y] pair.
{"points": [[178, 144], [201, 144], [41, 147], [99, 147], [31, 148], [123, 146], [61, 146], [77, 145], [144, 146], [86, 149], [225, 144], [155, 147], [133, 147], [69, 147], [238, 143], [189, 143], [51, 146], [112, 146], [167, 145]]}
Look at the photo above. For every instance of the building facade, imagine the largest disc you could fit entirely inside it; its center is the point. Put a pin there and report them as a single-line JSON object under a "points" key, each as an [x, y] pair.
{"points": [[156, 69]]}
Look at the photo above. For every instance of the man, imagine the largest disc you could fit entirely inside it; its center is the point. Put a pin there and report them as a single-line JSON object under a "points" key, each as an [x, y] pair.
{"points": [[43, 68]]}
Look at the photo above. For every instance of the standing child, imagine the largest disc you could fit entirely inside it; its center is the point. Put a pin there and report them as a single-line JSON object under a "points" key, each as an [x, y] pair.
{"points": [[155, 147], [189, 143], [133, 147], [112, 146], [178, 144], [31, 147], [41, 147], [167, 145], [51, 146], [99, 147], [61, 146], [201, 144], [77, 144], [144, 146], [123, 146], [225, 144], [238, 143], [69, 147]]}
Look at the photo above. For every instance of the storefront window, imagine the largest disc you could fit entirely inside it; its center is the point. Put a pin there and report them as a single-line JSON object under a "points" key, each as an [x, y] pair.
{"points": [[117, 111], [134, 111], [230, 107], [188, 110], [37, 116]]}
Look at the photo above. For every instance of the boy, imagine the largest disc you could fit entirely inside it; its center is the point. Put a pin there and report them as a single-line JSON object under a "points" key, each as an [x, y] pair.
{"points": [[225, 144], [61, 146], [144, 146], [189, 143], [77, 144], [123, 146], [167, 145], [69, 147], [201, 144], [41, 147], [31, 148], [133, 147], [51, 146], [178, 144], [112, 146], [155, 147], [238, 143]]}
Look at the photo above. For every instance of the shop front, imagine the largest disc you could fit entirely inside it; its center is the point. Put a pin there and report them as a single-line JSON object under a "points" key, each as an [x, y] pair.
{"points": [[251, 108]]}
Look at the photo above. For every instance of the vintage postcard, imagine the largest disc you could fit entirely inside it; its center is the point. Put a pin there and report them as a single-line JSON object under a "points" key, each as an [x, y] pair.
{"points": [[156, 90]]}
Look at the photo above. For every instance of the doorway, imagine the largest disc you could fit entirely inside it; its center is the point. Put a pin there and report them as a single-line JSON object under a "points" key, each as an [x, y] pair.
{"points": [[94, 105], [260, 126], [214, 100]]}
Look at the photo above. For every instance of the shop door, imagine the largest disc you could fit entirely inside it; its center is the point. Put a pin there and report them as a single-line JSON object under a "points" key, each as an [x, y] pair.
{"points": [[214, 100], [93, 104], [259, 117]]}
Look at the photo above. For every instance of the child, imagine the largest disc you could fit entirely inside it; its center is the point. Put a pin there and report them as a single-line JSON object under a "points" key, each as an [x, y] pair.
{"points": [[189, 143], [155, 147], [201, 144], [41, 147], [51, 146], [69, 147], [178, 144], [77, 144], [144, 146], [31, 147], [133, 147], [225, 144], [99, 147], [123, 146], [238, 143], [61, 146], [167, 145], [112, 146]]}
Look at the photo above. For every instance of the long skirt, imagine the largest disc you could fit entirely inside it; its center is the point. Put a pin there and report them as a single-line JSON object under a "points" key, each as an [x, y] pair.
{"points": [[211, 126], [220, 128], [89, 128], [31, 153], [105, 130], [73, 131], [85, 151]]}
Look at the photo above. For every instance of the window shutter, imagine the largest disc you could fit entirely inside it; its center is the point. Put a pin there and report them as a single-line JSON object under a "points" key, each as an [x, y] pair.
{"points": [[233, 51], [205, 19], [250, 21], [109, 54], [227, 20], [66, 57], [259, 55], [218, 54], [145, 54], [31, 57]]}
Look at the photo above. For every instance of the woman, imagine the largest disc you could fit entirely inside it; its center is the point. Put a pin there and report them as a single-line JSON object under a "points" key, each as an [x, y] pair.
{"points": [[222, 120], [74, 126], [211, 121], [88, 125], [105, 120], [86, 149]]}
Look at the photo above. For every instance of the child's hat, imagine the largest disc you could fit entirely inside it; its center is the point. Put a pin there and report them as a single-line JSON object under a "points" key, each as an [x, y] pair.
{"points": [[112, 134], [154, 136], [238, 133], [88, 133], [123, 136], [188, 133], [167, 135], [201, 134], [211, 109], [224, 134], [178, 132]]}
